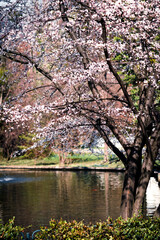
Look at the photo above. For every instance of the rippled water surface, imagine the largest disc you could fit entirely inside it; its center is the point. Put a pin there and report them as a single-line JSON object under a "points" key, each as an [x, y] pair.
{"points": [[36, 197]]}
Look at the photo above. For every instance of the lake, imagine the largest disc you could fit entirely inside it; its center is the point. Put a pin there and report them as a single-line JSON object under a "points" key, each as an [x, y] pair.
{"points": [[34, 197]]}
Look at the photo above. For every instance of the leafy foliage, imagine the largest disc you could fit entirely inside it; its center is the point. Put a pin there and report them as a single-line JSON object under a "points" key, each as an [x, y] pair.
{"points": [[134, 228], [9, 231]]}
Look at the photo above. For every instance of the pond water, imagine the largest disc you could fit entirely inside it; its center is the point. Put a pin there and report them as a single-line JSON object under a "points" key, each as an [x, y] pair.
{"points": [[34, 197]]}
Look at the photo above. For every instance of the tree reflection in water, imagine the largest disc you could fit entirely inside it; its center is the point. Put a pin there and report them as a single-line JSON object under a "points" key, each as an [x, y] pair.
{"points": [[36, 197]]}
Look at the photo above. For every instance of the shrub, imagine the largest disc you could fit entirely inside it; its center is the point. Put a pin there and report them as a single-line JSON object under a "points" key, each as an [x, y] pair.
{"points": [[134, 228], [9, 231], [137, 228]]}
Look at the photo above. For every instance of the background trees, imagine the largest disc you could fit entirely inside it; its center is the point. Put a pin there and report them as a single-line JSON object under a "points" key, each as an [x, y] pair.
{"points": [[101, 62]]}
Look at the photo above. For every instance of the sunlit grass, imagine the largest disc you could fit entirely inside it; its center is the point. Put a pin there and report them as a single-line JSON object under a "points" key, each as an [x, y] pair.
{"points": [[74, 160]]}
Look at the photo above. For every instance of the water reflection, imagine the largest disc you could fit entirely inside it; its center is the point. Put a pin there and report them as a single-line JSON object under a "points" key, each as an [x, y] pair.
{"points": [[36, 197]]}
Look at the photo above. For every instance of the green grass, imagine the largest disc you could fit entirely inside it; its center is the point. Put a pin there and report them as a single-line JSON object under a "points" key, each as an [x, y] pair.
{"points": [[29, 162], [75, 160], [85, 157]]}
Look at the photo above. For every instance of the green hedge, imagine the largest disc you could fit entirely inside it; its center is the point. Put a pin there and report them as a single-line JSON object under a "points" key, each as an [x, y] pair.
{"points": [[134, 228]]}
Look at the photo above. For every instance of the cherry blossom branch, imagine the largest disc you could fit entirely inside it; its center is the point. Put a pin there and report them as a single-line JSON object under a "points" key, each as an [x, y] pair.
{"points": [[11, 8], [73, 35], [15, 59], [65, 19], [112, 69], [120, 81], [30, 60], [81, 51], [110, 65], [36, 88], [108, 89]]}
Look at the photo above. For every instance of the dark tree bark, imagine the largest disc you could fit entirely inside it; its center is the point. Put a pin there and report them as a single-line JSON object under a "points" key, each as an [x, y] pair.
{"points": [[146, 171]]}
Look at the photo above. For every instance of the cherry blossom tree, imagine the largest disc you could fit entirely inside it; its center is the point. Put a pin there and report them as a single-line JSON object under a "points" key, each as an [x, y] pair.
{"points": [[101, 61]]}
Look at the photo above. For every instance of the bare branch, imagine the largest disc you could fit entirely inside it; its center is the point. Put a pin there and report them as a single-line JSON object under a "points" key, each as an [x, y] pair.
{"points": [[108, 142]]}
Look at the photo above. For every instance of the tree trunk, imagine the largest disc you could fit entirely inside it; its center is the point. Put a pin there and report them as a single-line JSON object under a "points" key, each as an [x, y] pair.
{"points": [[132, 175], [128, 192], [106, 158], [61, 158], [142, 186], [8, 154], [147, 168]]}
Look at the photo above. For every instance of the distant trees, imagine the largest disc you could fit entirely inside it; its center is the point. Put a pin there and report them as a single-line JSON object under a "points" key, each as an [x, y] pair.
{"points": [[101, 61], [11, 85], [7, 141]]}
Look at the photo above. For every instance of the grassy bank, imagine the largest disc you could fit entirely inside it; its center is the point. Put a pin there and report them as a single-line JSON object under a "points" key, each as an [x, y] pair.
{"points": [[75, 160]]}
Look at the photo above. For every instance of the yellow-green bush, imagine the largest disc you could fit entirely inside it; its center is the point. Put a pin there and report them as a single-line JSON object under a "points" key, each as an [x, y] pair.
{"points": [[9, 231], [136, 228]]}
